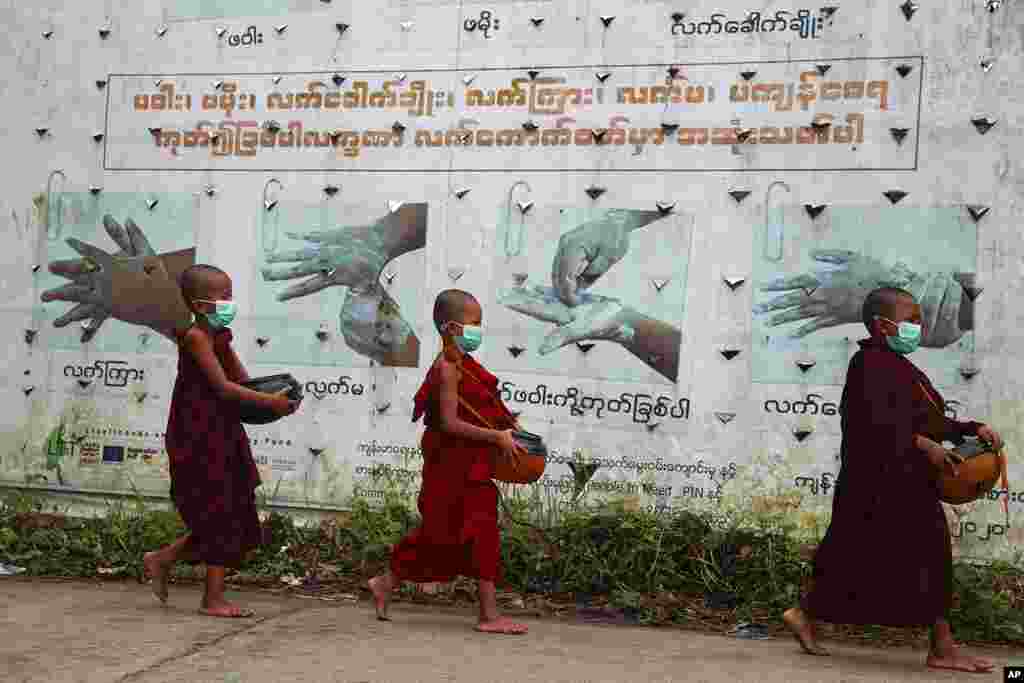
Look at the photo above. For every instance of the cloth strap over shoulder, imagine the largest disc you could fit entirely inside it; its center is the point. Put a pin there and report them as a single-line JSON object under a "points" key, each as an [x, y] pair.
{"points": [[465, 404]]}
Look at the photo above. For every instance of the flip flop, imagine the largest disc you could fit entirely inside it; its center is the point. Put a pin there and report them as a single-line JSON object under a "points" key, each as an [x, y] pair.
{"points": [[242, 613]]}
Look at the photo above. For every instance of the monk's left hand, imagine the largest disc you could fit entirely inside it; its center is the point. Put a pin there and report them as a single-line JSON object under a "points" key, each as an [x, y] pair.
{"points": [[991, 436]]}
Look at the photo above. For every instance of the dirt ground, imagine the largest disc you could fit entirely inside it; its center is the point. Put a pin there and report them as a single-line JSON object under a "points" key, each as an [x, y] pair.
{"points": [[104, 632]]}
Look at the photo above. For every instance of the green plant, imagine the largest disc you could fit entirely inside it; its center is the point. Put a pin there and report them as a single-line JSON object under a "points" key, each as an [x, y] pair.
{"points": [[641, 562]]}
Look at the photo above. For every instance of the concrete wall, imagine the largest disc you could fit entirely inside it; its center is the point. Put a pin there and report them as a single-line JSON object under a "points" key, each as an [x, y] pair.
{"points": [[672, 148]]}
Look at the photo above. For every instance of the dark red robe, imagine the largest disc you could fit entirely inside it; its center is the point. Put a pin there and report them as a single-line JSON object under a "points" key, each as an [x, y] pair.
{"points": [[886, 558], [213, 475], [457, 501]]}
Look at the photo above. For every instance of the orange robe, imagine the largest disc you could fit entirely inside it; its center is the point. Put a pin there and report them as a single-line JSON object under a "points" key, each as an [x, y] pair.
{"points": [[457, 501]]}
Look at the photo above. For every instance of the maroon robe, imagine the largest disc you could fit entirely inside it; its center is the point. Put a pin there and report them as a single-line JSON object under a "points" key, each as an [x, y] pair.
{"points": [[457, 501], [886, 558], [213, 475]]}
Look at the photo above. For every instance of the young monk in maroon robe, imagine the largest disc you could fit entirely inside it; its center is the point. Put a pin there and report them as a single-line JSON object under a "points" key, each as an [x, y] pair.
{"points": [[213, 475], [458, 501], [886, 558]]}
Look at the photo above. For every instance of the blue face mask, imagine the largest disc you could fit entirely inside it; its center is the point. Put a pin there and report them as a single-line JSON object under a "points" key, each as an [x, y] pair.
{"points": [[470, 339], [908, 337], [223, 314]]}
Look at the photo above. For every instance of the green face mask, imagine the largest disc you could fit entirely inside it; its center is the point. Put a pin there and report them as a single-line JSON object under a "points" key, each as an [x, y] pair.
{"points": [[223, 314], [908, 337], [470, 339]]}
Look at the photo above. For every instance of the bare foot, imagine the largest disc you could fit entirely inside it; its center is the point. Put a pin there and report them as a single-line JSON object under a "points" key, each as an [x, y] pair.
{"points": [[959, 662], [797, 623], [157, 572], [381, 597], [502, 625], [224, 609]]}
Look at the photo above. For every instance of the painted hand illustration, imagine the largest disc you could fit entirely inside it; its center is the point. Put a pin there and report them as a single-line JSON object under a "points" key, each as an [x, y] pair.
{"points": [[351, 257], [589, 250], [835, 293], [135, 285], [594, 318], [598, 318], [373, 327], [355, 257]]}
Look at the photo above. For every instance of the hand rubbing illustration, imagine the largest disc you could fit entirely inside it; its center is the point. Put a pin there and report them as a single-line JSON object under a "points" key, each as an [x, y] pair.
{"points": [[134, 285], [834, 294]]}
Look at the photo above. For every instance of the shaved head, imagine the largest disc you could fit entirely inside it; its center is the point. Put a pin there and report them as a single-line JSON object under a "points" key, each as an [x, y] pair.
{"points": [[200, 280], [454, 304], [886, 302]]}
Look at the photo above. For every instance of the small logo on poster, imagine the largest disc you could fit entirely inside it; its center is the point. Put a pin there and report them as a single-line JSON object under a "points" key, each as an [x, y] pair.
{"points": [[89, 454], [149, 455], [133, 454], [1013, 673], [113, 454]]}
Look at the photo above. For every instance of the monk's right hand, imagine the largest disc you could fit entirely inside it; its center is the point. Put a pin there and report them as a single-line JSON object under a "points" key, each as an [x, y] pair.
{"points": [[509, 448], [950, 464]]}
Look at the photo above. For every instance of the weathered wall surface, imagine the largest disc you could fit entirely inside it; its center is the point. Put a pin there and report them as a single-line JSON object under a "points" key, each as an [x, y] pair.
{"points": [[671, 215]]}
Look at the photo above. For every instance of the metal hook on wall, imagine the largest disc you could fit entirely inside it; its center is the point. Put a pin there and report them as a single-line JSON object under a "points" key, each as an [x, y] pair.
{"points": [[774, 234], [49, 205], [509, 252], [269, 241]]}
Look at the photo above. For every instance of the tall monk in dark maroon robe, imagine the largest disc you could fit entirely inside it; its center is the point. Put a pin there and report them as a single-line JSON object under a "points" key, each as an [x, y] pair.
{"points": [[458, 500], [886, 558], [213, 475]]}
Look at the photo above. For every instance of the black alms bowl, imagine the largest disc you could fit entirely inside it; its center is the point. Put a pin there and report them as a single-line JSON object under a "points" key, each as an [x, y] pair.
{"points": [[253, 414], [531, 443]]}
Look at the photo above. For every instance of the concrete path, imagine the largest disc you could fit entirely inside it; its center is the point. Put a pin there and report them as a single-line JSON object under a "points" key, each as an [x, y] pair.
{"points": [[102, 633]]}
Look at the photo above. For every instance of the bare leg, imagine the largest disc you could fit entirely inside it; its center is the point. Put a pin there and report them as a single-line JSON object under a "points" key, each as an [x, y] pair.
{"points": [[158, 563], [381, 587], [802, 628], [944, 653], [214, 603], [490, 620]]}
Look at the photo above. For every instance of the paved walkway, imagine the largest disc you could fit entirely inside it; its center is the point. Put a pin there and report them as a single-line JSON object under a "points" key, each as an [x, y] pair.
{"points": [[102, 633]]}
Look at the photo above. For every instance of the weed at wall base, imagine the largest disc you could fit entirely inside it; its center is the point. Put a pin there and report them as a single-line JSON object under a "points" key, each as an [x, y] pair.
{"points": [[640, 562]]}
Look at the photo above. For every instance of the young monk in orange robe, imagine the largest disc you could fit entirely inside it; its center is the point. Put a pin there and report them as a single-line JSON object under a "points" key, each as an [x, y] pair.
{"points": [[458, 501]]}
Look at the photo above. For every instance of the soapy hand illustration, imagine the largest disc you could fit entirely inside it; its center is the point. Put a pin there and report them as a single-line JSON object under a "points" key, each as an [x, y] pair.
{"points": [[593, 318], [584, 254], [834, 293], [134, 285], [589, 250], [373, 326], [355, 257]]}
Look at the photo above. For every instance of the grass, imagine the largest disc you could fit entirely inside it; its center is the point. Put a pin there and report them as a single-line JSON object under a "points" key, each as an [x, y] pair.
{"points": [[654, 569]]}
